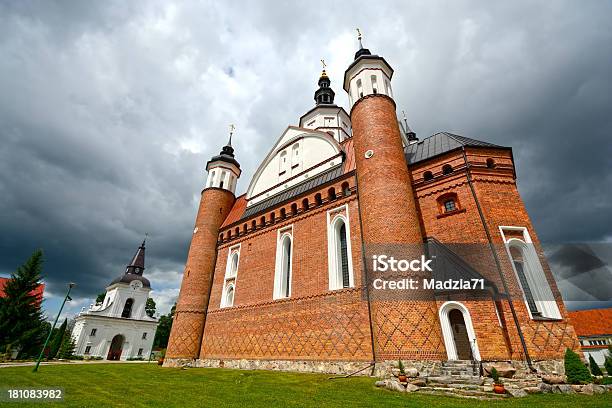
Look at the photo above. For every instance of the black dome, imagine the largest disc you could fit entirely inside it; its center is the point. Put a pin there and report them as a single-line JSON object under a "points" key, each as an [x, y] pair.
{"points": [[129, 277]]}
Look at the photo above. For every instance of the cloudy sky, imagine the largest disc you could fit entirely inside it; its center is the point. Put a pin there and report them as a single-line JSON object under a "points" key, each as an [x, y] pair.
{"points": [[110, 109]]}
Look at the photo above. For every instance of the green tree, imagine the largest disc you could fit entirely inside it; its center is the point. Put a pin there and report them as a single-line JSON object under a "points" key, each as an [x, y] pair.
{"points": [[595, 370], [21, 320], [575, 370], [150, 307], [163, 329], [608, 361], [66, 350], [56, 340], [100, 297]]}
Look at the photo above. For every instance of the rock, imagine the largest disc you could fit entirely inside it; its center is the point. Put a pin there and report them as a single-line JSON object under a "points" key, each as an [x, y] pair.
{"points": [[563, 389], [411, 388], [394, 386], [419, 382], [504, 370], [516, 392], [395, 372], [381, 383], [411, 372], [598, 389], [487, 388], [553, 379], [533, 390], [546, 388], [587, 389]]}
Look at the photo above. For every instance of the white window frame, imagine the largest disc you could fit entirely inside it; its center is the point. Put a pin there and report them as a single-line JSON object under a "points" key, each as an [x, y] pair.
{"points": [[278, 270], [230, 279], [335, 278], [534, 273]]}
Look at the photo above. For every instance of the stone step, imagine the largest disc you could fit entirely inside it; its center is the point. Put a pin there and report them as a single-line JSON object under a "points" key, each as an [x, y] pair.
{"points": [[462, 393], [456, 379]]}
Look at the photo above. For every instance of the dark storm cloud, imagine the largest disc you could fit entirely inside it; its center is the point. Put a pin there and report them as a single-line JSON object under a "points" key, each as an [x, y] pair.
{"points": [[109, 111]]}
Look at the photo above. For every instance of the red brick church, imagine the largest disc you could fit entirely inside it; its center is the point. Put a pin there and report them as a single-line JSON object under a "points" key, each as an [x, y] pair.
{"points": [[281, 277]]}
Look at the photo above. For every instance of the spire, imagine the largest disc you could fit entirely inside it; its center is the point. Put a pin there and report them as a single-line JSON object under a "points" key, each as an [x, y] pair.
{"points": [[410, 135], [324, 95], [361, 51], [138, 261], [227, 151]]}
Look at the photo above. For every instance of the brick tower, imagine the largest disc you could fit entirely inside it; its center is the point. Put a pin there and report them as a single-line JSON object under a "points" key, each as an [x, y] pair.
{"points": [[406, 328], [216, 202]]}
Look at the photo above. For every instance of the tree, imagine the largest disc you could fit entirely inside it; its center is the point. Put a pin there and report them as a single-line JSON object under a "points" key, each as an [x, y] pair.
{"points": [[595, 370], [575, 370], [163, 329], [100, 297], [150, 307], [21, 320], [66, 350], [608, 361], [56, 340]]}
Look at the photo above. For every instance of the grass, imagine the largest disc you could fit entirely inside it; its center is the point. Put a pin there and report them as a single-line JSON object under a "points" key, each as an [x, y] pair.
{"points": [[144, 385]]}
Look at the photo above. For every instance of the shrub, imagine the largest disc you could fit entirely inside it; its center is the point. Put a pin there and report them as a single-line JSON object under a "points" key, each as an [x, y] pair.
{"points": [[495, 376], [401, 367], [595, 370], [608, 365], [575, 370]]}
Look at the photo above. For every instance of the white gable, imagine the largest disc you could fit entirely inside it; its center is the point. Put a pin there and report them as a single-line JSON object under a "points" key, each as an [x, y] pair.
{"points": [[297, 156]]}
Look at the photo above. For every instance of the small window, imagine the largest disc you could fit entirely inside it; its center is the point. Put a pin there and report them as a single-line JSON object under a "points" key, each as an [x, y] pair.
{"points": [[305, 204], [331, 193], [244, 228], [262, 221], [93, 332], [272, 218], [428, 175], [447, 169], [140, 352], [237, 231], [318, 199], [374, 85], [144, 335], [221, 237], [283, 213], [294, 209], [253, 224], [359, 88], [88, 350], [449, 205], [346, 189], [491, 163]]}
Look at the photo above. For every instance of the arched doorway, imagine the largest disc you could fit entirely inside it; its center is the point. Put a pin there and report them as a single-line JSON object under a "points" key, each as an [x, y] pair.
{"points": [[458, 332], [460, 335], [114, 352]]}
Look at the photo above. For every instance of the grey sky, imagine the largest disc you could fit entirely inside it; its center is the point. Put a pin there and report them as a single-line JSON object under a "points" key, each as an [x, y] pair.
{"points": [[109, 111]]}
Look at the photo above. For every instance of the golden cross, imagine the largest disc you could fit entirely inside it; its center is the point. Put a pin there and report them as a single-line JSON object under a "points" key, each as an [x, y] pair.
{"points": [[358, 34], [324, 64]]}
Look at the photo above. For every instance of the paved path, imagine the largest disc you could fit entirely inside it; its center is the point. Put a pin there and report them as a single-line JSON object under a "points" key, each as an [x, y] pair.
{"points": [[32, 363]]}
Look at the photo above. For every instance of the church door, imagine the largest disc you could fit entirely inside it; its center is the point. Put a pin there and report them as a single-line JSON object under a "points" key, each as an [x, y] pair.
{"points": [[460, 335], [114, 353]]}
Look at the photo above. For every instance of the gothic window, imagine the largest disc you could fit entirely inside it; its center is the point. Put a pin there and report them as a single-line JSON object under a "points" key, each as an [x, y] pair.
{"points": [[428, 175], [127, 308], [339, 254], [521, 268], [284, 254], [447, 169], [228, 296], [233, 270]]}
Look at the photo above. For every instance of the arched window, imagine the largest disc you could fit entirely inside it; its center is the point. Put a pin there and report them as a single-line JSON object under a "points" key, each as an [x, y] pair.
{"points": [[359, 88], [282, 163], [447, 169], [374, 85], [283, 213], [428, 175], [305, 204], [491, 163], [262, 221], [346, 190], [294, 209], [339, 257], [229, 234], [522, 269], [212, 179], [237, 231], [282, 284], [253, 225], [221, 237], [318, 199], [228, 297], [331, 193], [127, 308], [272, 218], [448, 203], [233, 270], [244, 228]]}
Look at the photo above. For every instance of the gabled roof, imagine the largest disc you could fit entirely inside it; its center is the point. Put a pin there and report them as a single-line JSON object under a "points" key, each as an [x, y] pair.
{"points": [[440, 143], [592, 322]]}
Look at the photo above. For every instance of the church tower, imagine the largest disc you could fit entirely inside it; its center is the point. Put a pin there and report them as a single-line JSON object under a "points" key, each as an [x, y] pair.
{"points": [[215, 204], [403, 328]]}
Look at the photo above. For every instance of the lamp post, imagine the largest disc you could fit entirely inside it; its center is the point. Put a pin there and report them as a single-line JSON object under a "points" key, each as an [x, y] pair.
{"points": [[66, 298]]}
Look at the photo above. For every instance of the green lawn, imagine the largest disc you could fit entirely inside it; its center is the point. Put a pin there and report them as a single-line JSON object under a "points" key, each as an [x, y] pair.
{"points": [[142, 385]]}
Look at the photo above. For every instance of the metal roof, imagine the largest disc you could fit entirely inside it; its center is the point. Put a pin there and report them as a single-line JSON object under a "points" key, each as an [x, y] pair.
{"points": [[296, 190], [440, 143]]}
